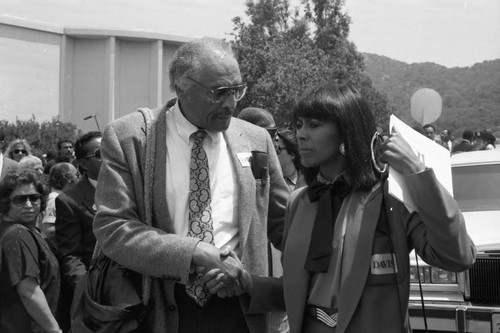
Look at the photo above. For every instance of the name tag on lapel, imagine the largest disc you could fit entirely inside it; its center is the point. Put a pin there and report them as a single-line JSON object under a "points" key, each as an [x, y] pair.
{"points": [[244, 159], [383, 263]]}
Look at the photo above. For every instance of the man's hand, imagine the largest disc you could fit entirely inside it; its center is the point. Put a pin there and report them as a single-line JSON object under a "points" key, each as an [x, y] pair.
{"points": [[234, 281]]}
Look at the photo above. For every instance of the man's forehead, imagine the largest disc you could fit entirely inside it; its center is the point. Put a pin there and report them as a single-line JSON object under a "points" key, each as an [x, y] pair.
{"points": [[225, 70]]}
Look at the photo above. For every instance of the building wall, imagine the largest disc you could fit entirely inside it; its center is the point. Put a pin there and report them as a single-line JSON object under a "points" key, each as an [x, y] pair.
{"points": [[74, 73], [29, 73]]}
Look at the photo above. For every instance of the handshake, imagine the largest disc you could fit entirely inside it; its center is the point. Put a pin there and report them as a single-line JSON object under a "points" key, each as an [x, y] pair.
{"points": [[221, 271]]}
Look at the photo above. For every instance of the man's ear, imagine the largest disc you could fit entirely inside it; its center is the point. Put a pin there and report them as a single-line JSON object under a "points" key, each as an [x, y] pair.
{"points": [[82, 164]]}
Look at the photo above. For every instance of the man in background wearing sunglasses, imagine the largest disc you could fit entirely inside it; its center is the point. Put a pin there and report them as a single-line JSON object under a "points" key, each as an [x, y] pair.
{"points": [[208, 194], [75, 210]]}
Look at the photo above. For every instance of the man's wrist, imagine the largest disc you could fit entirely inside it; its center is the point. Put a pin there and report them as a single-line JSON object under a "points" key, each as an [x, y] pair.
{"points": [[205, 255]]}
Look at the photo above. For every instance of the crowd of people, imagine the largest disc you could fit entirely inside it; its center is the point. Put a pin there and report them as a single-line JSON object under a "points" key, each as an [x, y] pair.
{"points": [[46, 232], [253, 228], [470, 140]]}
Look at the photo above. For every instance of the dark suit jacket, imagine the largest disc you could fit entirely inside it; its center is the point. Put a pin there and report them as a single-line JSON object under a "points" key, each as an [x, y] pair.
{"points": [[9, 165], [462, 146], [370, 302], [75, 210], [157, 251]]}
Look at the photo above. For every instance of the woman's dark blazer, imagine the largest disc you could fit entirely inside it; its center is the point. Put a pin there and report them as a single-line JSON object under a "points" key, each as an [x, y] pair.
{"points": [[368, 302]]}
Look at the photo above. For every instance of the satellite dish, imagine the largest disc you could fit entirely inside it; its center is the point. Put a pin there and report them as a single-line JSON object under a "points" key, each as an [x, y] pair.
{"points": [[426, 105]]}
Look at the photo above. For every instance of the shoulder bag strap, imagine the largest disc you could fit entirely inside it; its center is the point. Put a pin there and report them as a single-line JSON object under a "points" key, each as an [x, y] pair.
{"points": [[150, 131]]}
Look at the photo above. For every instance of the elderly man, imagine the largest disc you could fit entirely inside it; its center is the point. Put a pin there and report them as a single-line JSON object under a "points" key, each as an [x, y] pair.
{"points": [[217, 183]]}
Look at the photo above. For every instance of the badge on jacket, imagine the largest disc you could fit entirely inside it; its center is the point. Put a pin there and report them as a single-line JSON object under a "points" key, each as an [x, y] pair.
{"points": [[383, 263], [244, 158]]}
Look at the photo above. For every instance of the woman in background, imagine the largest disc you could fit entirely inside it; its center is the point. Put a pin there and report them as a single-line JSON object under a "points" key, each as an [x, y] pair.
{"points": [[62, 175], [31, 162], [17, 149], [29, 273]]}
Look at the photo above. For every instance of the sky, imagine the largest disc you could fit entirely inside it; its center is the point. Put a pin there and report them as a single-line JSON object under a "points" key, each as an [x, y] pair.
{"points": [[452, 33]]}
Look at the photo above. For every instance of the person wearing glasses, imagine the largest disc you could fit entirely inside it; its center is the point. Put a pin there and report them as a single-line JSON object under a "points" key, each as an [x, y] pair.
{"points": [[260, 117], [208, 194], [75, 211], [287, 148], [29, 272], [17, 149]]}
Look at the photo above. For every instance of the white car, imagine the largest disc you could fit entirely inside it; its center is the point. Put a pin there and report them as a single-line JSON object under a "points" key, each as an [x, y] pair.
{"points": [[467, 301]]}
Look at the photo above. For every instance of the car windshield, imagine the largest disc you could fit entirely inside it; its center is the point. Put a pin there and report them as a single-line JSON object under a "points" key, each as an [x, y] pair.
{"points": [[477, 188]]}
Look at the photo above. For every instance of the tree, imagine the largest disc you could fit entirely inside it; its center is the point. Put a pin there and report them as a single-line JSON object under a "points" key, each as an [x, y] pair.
{"points": [[41, 137], [282, 52]]}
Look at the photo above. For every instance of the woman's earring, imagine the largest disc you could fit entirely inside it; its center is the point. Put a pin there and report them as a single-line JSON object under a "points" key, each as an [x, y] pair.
{"points": [[342, 149]]}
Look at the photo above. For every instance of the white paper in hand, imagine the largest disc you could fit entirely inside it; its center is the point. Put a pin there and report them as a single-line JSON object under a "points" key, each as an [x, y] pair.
{"points": [[430, 153]]}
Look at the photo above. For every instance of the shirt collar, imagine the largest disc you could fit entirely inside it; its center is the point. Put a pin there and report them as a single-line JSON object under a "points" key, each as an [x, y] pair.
{"points": [[184, 128], [93, 182], [344, 175]]}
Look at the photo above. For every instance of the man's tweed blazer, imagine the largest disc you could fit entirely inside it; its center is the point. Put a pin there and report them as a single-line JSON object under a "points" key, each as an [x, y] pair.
{"points": [[157, 251]]}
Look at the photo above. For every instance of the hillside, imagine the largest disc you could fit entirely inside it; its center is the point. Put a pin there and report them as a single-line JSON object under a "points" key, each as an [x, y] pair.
{"points": [[471, 95]]}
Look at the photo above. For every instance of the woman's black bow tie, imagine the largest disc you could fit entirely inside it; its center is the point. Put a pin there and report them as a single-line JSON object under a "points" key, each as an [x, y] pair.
{"points": [[329, 197], [317, 188]]}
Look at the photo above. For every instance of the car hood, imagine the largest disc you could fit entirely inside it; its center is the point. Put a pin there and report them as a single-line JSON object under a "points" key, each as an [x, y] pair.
{"points": [[484, 229]]}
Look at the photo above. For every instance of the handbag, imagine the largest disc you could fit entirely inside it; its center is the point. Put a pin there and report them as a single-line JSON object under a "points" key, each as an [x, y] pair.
{"points": [[111, 298]]}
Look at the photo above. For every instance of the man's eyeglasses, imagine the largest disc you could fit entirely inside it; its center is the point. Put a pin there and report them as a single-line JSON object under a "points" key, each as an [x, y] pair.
{"points": [[20, 200], [273, 132], [20, 151], [279, 149], [96, 154], [221, 94]]}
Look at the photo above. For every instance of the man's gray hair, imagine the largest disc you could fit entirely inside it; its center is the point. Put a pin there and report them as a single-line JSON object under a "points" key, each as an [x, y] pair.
{"points": [[189, 57]]}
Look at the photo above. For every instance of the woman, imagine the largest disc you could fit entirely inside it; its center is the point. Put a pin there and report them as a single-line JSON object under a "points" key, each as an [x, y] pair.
{"points": [[31, 162], [17, 149], [287, 149], [62, 176], [29, 274], [346, 241]]}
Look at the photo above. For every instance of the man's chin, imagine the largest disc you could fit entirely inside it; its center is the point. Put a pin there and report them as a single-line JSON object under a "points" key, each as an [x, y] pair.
{"points": [[221, 124]]}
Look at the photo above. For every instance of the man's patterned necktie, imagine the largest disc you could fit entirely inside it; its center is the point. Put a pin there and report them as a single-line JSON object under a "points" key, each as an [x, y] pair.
{"points": [[200, 212]]}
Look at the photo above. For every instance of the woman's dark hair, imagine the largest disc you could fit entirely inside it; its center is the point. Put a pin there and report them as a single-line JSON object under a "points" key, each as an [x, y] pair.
{"points": [[292, 146], [345, 107], [25, 177]]}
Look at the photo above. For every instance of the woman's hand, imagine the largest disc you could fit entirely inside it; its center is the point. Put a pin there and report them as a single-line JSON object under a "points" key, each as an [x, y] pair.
{"points": [[398, 154], [218, 283]]}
